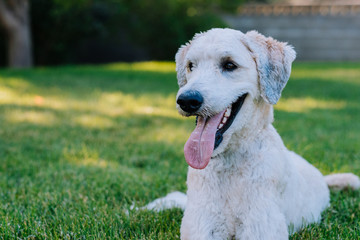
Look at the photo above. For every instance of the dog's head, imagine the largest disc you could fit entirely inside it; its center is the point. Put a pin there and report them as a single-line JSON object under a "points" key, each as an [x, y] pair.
{"points": [[229, 80]]}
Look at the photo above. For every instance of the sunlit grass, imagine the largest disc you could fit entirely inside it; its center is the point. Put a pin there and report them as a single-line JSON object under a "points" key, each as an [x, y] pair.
{"points": [[32, 116], [303, 105], [111, 104], [346, 72], [143, 66], [81, 144], [86, 157]]}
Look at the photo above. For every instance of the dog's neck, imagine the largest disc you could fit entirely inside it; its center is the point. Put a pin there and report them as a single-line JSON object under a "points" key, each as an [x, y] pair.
{"points": [[241, 146], [256, 122]]}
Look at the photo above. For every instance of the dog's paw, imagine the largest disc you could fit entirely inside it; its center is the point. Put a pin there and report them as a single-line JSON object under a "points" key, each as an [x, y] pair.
{"points": [[172, 200]]}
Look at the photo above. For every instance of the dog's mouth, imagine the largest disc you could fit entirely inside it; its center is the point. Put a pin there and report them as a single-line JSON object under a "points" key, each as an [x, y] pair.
{"points": [[208, 134]]}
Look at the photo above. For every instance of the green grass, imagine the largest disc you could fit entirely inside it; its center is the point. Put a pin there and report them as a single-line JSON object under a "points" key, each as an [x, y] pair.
{"points": [[80, 144]]}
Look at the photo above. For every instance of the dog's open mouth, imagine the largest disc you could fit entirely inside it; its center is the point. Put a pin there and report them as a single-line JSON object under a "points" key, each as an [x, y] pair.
{"points": [[208, 135]]}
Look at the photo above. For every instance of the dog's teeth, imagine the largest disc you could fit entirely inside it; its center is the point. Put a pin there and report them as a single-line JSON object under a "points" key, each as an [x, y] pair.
{"points": [[224, 120], [220, 125], [228, 112]]}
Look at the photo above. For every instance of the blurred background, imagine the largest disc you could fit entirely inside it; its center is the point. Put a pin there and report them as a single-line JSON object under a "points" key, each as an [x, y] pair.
{"points": [[58, 32]]}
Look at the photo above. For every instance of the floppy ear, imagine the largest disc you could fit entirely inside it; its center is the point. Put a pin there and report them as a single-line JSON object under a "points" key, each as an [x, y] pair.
{"points": [[181, 64], [273, 60]]}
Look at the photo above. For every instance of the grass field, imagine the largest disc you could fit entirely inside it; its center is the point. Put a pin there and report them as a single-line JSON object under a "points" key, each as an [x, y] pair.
{"points": [[80, 144]]}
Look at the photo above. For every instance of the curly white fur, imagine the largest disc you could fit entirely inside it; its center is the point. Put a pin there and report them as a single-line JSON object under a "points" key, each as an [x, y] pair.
{"points": [[253, 187]]}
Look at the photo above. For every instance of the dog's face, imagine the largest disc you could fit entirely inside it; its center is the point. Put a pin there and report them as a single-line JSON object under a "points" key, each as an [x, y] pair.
{"points": [[226, 79]]}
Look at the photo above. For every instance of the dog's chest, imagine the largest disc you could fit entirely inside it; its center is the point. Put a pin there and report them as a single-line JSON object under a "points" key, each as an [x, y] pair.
{"points": [[218, 197]]}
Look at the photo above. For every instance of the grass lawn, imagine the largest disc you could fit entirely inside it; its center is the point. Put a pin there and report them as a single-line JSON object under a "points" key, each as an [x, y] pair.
{"points": [[80, 144]]}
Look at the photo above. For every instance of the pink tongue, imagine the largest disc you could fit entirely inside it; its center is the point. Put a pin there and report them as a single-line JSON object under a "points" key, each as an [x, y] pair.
{"points": [[200, 145]]}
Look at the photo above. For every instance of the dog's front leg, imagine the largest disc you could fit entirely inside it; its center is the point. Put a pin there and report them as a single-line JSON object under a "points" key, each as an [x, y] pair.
{"points": [[203, 223], [262, 221]]}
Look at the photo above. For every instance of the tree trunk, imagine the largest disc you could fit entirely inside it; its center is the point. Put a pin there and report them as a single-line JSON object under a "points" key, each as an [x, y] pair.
{"points": [[19, 47], [14, 16]]}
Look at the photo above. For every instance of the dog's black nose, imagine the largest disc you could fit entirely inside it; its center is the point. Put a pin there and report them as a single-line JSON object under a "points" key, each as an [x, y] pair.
{"points": [[190, 101]]}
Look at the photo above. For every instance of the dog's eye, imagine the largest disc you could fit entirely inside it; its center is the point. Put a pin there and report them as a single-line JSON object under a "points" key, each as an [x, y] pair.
{"points": [[229, 66], [190, 66]]}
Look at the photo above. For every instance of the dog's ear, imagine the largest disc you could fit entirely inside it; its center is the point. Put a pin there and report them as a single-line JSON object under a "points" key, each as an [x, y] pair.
{"points": [[273, 60], [180, 59], [181, 64]]}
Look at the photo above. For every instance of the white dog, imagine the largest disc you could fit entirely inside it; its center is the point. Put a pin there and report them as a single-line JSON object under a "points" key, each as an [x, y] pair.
{"points": [[242, 181]]}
